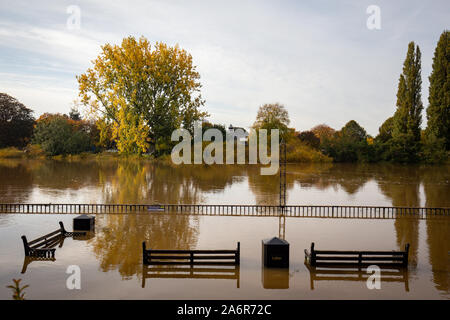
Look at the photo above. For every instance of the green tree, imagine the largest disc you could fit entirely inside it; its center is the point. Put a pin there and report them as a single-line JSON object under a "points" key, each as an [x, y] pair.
{"points": [[349, 144], [16, 122], [385, 130], [57, 134], [406, 132], [352, 131], [438, 111], [323, 132], [273, 116], [309, 138], [143, 92], [208, 125], [74, 114]]}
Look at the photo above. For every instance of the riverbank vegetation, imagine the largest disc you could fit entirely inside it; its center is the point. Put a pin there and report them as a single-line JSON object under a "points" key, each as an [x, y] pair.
{"points": [[136, 94]]}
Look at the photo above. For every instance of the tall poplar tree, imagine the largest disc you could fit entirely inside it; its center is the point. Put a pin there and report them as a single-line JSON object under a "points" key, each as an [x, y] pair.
{"points": [[408, 116], [438, 110]]}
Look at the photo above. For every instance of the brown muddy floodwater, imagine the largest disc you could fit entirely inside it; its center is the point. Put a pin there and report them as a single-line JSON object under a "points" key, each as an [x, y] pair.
{"points": [[111, 264]]}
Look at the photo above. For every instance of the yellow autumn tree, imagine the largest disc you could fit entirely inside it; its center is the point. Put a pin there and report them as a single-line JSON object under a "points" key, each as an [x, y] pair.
{"points": [[141, 93]]}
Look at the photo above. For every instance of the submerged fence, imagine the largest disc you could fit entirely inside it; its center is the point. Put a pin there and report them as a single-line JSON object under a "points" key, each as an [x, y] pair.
{"points": [[356, 212]]}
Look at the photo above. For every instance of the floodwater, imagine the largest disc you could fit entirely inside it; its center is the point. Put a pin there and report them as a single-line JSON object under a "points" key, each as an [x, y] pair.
{"points": [[110, 260]]}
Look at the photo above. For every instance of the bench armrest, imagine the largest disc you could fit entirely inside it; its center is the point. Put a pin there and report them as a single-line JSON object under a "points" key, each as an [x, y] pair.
{"points": [[307, 254]]}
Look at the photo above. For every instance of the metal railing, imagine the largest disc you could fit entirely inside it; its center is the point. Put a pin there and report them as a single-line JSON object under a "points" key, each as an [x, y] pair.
{"points": [[306, 211]]}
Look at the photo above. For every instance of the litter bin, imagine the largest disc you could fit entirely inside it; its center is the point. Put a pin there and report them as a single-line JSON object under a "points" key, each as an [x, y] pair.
{"points": [[84, 237], [275, 253], [84, 223]]}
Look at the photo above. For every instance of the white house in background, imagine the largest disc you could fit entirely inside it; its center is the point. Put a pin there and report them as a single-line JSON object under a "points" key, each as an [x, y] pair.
{"points": [[239, 132]]}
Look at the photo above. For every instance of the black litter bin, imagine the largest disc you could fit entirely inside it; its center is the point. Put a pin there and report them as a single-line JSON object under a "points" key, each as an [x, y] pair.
{"points": [[84, 237], [275, 253], [84, 223]]}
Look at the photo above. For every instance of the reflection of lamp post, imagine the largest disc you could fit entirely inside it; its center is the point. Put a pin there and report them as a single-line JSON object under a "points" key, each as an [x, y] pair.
{"points": [[282, 175], [282, 218], [282, 226]]}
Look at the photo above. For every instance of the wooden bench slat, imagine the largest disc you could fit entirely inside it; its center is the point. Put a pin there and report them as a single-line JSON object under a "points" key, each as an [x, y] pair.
{"points": [[217, 263], [185, 276], [364, 277], [359, 258], [325, 266], [54, 242], [186, 257], [190, 269], [191, 257], [207, 257], [363, 264], [44, 245], [211, 257], [189, 251], [47, 242], [318, 258], [43, 237], [360, 252], [337, 271]]}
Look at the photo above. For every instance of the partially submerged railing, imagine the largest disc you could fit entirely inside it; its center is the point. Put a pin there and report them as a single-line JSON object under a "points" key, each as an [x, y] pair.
{"points": [[305, 211]]}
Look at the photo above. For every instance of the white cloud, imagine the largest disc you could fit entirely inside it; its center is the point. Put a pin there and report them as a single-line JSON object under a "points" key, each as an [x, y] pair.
{"points": [[319, 60]]}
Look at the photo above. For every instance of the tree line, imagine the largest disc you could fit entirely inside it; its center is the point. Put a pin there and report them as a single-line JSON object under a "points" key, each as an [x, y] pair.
{"points": [[400, 137], [136, 94]]}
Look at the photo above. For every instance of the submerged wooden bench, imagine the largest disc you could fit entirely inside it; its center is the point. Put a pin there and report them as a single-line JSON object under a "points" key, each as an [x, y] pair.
{"points": [[44, 247], [190, 272], [356, 273], [359, 258], [190, 257]]}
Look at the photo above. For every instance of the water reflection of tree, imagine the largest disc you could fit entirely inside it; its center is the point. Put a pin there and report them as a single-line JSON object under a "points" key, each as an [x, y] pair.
{"points": [[437, 192], [119, 244], [68, 175], [265, 188], [144, 182], [350, 177], [402, 185], [134, 181], [16, 181], [320, 176]]}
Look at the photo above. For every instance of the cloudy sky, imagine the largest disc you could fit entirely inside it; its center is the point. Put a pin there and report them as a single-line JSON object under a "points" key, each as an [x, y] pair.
{"points": [[318, 58]]}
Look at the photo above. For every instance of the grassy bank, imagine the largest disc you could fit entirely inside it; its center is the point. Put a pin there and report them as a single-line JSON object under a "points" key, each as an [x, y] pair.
{"points": [[296, 153], [30, 152]]}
